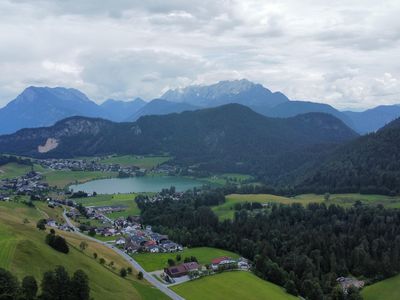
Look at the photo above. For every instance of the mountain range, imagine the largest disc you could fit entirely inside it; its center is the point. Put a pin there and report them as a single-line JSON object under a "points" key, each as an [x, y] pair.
{"points": [[44, 106], [231, 138], [311, 152]]}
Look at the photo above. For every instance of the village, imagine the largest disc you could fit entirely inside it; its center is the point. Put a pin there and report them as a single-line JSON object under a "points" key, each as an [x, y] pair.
{"points": [[132, 237], [89, 165], [28, 184]]}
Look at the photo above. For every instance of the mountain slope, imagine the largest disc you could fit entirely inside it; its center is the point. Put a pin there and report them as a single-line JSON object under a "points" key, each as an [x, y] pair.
{"points": [[160, 107], [118, 111], [373, 119], [36, 107], [226, 138], [224, 92], [370, 164]]}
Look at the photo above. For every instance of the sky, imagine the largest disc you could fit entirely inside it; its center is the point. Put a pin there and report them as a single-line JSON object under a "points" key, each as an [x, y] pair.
{"points": [[342, 52]]}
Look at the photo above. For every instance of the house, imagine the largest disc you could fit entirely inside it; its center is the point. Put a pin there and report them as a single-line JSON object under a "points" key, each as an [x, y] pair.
{"points": [[51, 223], [182, 269], [120, 241], [221, 261], [153, 249]]}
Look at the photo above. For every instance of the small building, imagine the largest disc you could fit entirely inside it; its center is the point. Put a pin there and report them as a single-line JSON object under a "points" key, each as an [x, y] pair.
{"points": [[181, 270]]}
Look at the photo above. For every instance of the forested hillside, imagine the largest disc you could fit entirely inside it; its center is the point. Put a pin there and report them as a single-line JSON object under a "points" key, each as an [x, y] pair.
{"points": [[370, 164]]}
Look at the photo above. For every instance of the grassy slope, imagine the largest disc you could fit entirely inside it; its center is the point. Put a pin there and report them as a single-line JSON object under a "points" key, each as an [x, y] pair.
{"points": [[157, 261], [231, 285], [146, 162], [226, 211], [12, 170], [23, 251], [117, 199], [388, 289]]}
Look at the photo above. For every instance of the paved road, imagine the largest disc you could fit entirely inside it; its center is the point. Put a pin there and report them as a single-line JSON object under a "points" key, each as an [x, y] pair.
{"points": [[162, 287]]}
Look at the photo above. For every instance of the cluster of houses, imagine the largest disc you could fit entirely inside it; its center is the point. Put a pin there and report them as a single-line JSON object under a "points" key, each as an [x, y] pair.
{"points": [[53, 223], [29, 184], [136, 239], [89, 165]]}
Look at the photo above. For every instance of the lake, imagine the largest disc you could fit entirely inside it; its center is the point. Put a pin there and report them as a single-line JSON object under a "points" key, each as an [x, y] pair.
{"points": [[137, 184]]}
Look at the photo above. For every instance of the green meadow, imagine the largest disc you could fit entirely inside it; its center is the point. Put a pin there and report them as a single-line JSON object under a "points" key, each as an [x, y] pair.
{"points": [[231, 285], [127, 200], [157, 261], [388, 289], [62, 179], [146, 162], [226, 210], [24, 252]]}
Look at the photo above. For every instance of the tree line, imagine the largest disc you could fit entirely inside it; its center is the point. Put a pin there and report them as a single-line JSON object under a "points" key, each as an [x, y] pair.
{"points": [[56, 284]]}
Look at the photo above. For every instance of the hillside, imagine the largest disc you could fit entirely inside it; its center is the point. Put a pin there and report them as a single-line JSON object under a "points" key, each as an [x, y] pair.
{"points": [[369, 164], [23, 251], [227, 138]]}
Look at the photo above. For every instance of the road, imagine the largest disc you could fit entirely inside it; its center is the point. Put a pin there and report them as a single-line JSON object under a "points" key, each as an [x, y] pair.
{"points": [[162, 287]]}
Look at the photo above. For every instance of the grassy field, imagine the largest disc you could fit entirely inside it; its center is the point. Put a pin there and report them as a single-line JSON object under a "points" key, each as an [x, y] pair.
{"points": [[12, 170], [157, 261], [61, 179], [222, 179], [146, 162], [388, 289], [24, 252], [231, 285], [117, 199], [226, 210]]}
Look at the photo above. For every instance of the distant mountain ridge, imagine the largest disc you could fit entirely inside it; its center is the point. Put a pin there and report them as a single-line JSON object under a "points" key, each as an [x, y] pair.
{"points": [[118, 110], [43, 106], [374, 118], [36, 107], [160, 107], [224, 92], [226, 138]]}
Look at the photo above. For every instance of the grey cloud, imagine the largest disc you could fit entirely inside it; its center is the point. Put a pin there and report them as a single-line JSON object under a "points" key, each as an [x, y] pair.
{"points": [[338, 52]]}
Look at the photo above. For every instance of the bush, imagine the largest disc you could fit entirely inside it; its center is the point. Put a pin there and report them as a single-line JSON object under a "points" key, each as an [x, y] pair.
{"points": [[41, 224], [123, 273], [57, 242], [140, 275]]}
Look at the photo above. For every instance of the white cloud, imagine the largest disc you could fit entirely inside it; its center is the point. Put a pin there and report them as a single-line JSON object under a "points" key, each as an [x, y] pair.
{"points": [[344, 53]]}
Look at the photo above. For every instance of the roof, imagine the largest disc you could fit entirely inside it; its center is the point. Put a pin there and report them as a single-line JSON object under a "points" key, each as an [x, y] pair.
{"points": [[177, 269], [217, 261], [191, 266]]}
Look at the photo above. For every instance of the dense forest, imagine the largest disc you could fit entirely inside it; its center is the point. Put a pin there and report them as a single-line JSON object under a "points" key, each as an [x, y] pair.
{"points": [[304, 249], [370, 164]]}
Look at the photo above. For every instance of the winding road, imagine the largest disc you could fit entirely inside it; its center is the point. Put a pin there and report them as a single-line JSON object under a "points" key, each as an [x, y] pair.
{"points": [[162, 287]]}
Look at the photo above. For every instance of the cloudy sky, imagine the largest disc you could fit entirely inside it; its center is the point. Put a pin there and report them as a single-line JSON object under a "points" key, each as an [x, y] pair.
{"points": [[342, 52]]}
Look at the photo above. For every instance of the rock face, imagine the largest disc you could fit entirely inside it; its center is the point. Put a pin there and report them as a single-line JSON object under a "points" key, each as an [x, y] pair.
{"points": [[224, 92], [50, 144]]}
